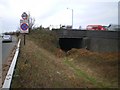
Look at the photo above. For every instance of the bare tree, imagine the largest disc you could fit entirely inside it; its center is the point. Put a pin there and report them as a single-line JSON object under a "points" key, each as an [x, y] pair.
{"points": [[31, 21]]}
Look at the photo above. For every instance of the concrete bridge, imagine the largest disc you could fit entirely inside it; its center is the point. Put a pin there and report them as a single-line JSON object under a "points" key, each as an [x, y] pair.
{"points": [[99, 41]]}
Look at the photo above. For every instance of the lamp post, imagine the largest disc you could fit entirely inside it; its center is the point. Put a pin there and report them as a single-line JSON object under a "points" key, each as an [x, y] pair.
{"points": [[72, 16]]}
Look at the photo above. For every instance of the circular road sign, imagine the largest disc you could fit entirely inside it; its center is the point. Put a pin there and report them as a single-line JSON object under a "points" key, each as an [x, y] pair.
{"points": [[24, 15], [24, 26]]}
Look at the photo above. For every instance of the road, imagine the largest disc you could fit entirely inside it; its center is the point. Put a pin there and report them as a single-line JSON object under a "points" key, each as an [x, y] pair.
{"points": [[0, 52], [6, 48], [0, 61]]}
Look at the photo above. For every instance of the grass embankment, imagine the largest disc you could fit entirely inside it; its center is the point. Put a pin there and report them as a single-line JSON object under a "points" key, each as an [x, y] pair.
{"points": [[40, 66], [99, 69]]}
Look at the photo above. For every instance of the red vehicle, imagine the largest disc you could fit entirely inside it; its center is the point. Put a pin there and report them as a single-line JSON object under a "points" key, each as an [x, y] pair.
{"points": [[95, 27]]}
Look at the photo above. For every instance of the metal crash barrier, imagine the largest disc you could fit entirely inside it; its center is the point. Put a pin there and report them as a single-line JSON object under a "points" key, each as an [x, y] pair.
{"points": [[8, 79]]}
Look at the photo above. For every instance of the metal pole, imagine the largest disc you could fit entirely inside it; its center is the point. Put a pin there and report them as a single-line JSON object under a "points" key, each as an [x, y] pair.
{"points": [[72, 18], [24, 39]]}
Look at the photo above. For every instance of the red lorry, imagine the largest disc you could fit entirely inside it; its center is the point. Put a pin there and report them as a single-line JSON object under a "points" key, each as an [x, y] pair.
{"points": [[95, 27]]}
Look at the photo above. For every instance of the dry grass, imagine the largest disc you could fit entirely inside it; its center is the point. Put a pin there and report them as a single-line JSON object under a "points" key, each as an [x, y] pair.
{"points": [[102, 66], [45, 39], [38, 68]]}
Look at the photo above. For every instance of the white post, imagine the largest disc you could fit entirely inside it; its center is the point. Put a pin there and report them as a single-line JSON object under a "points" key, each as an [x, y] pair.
{"points": [[72, 16]]}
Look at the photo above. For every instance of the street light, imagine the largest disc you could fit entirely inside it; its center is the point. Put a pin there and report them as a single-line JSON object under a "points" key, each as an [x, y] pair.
{"points": [[72, 16]]}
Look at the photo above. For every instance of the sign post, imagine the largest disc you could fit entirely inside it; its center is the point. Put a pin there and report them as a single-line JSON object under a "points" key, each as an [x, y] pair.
{"points": [[24, 39], [24, 24]]}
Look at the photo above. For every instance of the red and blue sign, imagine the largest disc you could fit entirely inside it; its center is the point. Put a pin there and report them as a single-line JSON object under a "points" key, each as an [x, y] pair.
{"points": [[24, 26]]}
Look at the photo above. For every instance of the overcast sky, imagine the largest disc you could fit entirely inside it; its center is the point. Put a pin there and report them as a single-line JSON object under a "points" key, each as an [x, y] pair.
{"points": [[55, 12]]}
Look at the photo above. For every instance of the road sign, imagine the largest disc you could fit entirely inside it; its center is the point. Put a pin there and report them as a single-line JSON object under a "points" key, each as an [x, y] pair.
{"points": [[24, 16], [23, 21], [24, 27]]}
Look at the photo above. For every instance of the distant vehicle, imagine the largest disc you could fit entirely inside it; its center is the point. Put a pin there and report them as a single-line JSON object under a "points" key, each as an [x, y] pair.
{"points": [[106, 27], [7, 38], [113, 27], [95, 27], [1, 34], [63, 27], [69, 26], [80, 27], [66, 27]]}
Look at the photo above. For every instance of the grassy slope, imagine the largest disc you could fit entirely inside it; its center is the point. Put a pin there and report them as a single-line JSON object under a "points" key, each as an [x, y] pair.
{"points": [[39, 67], [100, 69]]}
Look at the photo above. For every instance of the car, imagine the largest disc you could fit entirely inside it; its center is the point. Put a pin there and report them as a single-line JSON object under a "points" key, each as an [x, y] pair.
{"points": [[1, 34], [7, 38], [66, 27]]}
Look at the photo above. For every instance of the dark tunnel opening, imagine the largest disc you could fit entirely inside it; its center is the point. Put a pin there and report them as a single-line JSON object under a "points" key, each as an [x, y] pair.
{"points": [[67, 44]]}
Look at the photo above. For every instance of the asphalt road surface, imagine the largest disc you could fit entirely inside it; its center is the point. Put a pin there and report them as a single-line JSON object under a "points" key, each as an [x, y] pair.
{"points": [[7, 48], [0, 52]]}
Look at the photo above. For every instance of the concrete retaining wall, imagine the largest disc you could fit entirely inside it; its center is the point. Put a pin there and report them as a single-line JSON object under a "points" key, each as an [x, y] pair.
{"points": [[99, 41], [102, 44]]}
